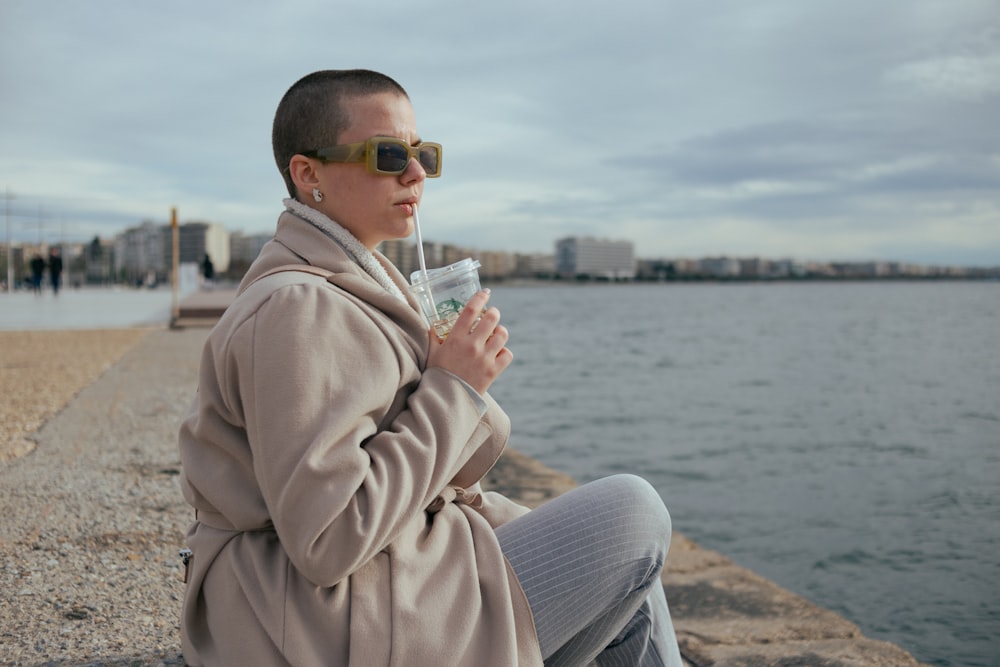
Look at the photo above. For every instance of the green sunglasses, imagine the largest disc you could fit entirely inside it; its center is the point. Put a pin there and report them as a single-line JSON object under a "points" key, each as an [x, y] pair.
{"points": [[384, 155]]}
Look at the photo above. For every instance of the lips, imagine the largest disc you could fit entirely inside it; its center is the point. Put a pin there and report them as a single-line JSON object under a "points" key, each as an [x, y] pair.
{"points": [[407, 205]]}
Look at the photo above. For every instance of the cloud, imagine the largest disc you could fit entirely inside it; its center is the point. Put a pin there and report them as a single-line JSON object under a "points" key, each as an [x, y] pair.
{"points": [[777, 127], [964, 77]]}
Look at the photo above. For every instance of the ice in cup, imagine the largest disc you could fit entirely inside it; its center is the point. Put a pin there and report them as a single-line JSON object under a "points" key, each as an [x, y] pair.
{"points": [[443, 292]]}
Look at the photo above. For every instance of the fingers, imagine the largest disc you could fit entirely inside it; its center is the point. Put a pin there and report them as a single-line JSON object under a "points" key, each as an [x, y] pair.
{"points": [[470, 316], [485, 322], [496, 345], [497, 340], [475, 348], [478, 330]]}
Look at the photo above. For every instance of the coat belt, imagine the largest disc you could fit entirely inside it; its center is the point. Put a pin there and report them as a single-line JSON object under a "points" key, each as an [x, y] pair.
{"points": [[220, 522], [455, 494]]}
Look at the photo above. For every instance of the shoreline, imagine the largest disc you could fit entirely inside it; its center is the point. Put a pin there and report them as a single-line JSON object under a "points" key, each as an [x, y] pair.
{"points": [[96, 518]]}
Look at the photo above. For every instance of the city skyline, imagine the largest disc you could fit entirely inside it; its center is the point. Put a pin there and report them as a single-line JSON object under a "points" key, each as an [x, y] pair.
{"points": [[639, 257]]}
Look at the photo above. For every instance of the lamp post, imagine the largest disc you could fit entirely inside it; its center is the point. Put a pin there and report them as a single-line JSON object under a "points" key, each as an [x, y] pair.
{"points": [[10, 251]]}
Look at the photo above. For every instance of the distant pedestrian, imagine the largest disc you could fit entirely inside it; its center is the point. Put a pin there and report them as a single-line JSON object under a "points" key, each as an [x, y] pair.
{"points": [[55, 269], [207, 269], [37, 271]]}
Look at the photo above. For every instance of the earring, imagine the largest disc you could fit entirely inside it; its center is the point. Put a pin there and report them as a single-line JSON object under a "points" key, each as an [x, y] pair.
{"points": [[317, 195]]}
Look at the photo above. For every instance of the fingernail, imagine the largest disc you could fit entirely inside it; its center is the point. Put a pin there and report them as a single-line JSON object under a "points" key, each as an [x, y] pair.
{"points": [[486, 289]]}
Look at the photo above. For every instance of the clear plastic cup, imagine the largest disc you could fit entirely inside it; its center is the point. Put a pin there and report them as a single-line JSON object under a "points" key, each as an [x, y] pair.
{"points": [[444, 293]]}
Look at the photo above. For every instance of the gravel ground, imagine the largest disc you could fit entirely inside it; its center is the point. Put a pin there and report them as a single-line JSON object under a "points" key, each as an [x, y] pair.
{"points": [[93, 517], [40, 371]]}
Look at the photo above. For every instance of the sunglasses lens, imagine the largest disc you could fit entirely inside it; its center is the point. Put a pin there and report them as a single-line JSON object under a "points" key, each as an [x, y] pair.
{"points": [[392, 157], [430, 159]]}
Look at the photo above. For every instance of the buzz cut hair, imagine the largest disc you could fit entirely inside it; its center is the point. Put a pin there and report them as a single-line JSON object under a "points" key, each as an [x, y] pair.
{"points": [[312, 114]]}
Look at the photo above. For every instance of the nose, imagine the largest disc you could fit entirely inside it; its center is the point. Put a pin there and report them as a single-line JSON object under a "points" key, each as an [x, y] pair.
{"points": [[414, 172]]}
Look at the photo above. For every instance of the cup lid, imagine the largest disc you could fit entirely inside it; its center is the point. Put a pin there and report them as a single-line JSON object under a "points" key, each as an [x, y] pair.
{"points": [[467, 264]]}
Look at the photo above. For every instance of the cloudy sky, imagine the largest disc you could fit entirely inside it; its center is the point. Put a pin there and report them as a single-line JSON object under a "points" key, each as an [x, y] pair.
{"points": [[822, 130]]}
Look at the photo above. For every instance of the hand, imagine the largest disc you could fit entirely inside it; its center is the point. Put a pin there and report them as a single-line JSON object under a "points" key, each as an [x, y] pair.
{"points": [[475, 349]]}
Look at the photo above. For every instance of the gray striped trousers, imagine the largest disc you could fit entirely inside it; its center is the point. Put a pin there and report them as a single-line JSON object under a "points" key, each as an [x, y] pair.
{"points": [[589, 562]]}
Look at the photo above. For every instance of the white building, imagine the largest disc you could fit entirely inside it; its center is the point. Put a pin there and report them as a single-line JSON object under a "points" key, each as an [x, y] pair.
{"points": [[721, 267], [595, 258], [143, 251], [535, 265], [146, 252], [198, 239], [495, 264]]}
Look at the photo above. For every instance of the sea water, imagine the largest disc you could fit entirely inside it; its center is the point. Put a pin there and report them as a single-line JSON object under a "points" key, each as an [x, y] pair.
{"points": [[841, 439]]}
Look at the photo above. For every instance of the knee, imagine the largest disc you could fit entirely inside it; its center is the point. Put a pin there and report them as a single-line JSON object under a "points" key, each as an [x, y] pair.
{"points": [[646, 508]]}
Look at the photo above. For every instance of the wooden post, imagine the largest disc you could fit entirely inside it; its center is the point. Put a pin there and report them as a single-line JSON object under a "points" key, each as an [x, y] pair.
{"points": [[175, 272]]}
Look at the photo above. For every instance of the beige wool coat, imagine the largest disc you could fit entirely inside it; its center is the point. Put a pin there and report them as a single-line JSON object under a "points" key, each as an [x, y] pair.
{"points": [[339, 518]]}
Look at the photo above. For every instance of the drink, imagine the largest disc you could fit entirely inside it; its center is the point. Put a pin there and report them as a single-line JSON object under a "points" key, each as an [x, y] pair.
{"points": [[442, 293]]}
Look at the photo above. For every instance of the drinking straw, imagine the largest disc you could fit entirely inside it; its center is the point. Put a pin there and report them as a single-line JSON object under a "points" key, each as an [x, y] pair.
{"points": [[420, 245]]}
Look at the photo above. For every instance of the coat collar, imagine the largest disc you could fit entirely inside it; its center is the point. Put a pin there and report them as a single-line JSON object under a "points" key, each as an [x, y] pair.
{"points": [[310, 245], [298, 241], [362, 255]]}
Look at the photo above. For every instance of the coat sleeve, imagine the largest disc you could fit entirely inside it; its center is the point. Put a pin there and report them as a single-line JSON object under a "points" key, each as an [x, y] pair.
{"points": [[317, 380]]}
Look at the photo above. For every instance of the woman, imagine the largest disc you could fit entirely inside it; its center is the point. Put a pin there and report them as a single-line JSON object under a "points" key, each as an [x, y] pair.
{"points": [[334, 450]]}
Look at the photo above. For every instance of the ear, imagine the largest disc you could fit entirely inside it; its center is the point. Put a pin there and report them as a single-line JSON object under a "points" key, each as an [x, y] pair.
{"points": [[303, 173]]}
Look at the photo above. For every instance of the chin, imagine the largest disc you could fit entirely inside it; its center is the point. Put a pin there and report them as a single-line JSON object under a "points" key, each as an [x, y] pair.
{"points": [[407, 230]]}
